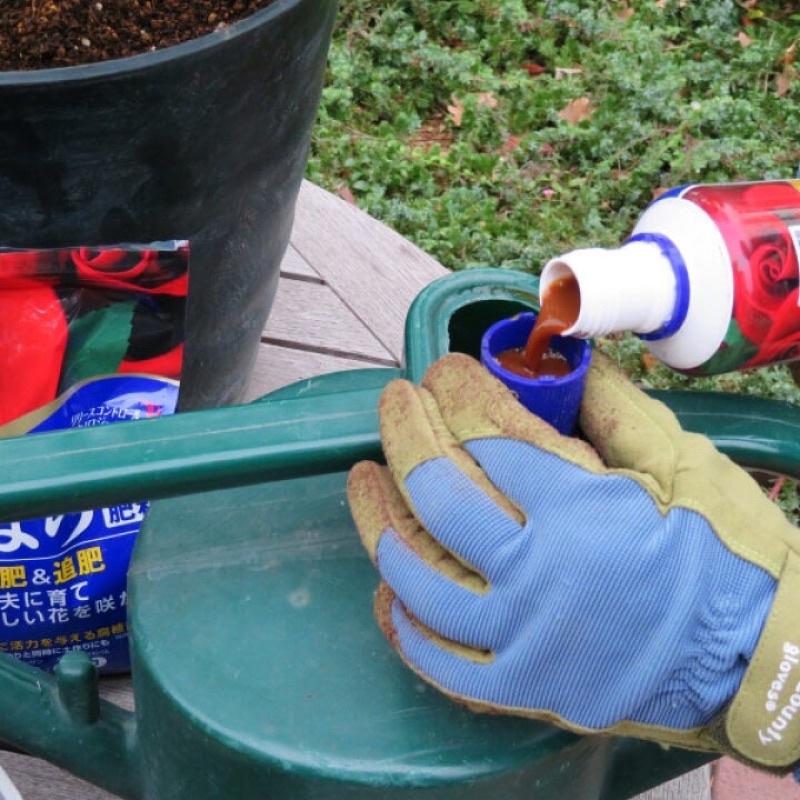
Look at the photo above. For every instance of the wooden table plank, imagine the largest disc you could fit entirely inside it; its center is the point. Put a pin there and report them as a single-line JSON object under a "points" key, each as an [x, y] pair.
{"points": [[279, 366], [35, 779], [694, 785], [295, 266], [311, 316], [373, 269], [118, 689]]}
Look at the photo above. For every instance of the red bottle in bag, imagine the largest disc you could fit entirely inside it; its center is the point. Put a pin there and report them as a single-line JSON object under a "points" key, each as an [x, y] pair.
{"points": [[709, 278]]}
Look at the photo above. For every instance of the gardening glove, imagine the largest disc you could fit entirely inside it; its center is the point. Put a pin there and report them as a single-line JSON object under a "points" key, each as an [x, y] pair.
{"points": [[639, 584]]}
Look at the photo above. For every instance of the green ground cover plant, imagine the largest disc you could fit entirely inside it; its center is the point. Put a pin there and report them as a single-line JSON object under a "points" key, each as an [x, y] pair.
{"points": [[446, 118], [502, 132]]}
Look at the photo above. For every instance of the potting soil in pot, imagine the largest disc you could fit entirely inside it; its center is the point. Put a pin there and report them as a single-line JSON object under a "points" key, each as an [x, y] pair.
{"points": [[37, 34], [90, 336]]}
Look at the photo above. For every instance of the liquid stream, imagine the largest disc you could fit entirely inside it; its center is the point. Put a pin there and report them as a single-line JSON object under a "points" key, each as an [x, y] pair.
{"points": [[560, 308]]}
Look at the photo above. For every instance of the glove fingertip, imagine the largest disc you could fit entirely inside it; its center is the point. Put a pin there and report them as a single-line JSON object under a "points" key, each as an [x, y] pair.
{"points": [[467, 370], [610, 394], [367, 497], [382, 608]]}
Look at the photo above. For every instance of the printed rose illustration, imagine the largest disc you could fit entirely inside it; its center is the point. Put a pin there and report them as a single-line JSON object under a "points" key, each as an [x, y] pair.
{"points": [[758, 223], [131, 270], [33, 340], [112, 265], [42, 265], [768, 312], [91, 336], [76, 313]]}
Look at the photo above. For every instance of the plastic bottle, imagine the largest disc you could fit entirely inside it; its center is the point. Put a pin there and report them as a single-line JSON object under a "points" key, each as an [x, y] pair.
{"points": [[709, 278]]}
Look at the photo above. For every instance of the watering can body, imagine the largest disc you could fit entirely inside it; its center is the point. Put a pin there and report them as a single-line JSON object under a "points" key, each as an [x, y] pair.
{"points": [[258, 670]]}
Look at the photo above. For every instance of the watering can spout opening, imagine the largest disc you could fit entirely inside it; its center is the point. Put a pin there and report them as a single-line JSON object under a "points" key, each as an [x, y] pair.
{"points": [[61, 718]]}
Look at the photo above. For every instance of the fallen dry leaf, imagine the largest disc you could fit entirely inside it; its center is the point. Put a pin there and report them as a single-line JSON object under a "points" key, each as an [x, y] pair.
{"points": [[783, 82], [565, 72], [649, 361], [775, 491], [433, 131], [510, 145], [744, 39], [344, 192], [534, 69], [488, 100], [456, 111], [576, 110], [625, 13]]}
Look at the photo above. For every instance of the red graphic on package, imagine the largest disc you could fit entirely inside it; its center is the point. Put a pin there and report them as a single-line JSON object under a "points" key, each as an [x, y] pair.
{"points": [[760, 223], [75, 313]]}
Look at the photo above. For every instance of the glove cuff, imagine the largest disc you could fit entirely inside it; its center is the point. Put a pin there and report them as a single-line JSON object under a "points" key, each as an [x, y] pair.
{"points": [[762, 724]]}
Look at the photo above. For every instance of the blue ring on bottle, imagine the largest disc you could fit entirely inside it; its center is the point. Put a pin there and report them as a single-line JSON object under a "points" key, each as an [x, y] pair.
{"points": [[682, 290]]}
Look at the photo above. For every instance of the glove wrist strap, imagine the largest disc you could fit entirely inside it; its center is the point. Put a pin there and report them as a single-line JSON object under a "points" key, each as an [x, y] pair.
{"points": [[763, 721]]}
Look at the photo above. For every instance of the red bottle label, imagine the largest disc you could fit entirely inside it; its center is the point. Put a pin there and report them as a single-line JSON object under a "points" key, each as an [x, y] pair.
{"points": [[760, 223]]}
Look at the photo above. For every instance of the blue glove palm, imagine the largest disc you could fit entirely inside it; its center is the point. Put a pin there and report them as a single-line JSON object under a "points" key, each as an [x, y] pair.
{"points": [[598, 608]]}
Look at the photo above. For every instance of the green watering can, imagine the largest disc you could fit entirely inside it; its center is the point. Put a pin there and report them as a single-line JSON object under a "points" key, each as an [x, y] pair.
{"points": [[258, 670]]}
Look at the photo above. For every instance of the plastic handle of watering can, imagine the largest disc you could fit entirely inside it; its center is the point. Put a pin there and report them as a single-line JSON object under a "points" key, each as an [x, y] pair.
{"points": [[191, 452]]}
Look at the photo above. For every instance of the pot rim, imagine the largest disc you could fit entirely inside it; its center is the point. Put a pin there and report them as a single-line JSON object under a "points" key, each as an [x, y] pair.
{"points": [[120, 66]]}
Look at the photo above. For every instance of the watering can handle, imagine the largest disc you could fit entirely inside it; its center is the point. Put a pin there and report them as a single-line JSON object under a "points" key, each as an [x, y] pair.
{"points": [[191, 452], [291, 437]]}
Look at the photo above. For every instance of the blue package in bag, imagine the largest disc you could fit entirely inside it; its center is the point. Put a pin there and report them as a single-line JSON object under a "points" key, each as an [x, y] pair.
{"points": [[110, 351]]}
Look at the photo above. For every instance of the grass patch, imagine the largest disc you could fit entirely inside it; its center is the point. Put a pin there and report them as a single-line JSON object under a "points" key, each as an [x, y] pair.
{"points": [[442, 118]]}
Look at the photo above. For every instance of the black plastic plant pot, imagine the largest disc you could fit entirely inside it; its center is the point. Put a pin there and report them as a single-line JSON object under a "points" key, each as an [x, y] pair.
{"points": [[205, 141]]}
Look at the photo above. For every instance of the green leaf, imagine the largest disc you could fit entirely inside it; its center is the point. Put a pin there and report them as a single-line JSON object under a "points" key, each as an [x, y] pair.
{"points": [[97, 343], [734, 351]]}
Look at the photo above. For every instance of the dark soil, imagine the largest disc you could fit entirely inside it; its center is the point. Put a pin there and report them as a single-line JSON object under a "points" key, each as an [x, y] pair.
{"points": [[36, 34]]}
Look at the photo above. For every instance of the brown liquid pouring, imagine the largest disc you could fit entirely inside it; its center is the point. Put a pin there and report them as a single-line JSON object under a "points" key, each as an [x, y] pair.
{"points": [[551, 364], [560, 308]]}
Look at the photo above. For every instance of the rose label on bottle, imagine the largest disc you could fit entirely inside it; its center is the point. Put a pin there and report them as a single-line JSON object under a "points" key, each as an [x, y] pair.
{"points": [[760, 225]]}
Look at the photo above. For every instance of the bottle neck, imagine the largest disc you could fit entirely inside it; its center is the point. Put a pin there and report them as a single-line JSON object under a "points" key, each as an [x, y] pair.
{"points": [[631, 288]]}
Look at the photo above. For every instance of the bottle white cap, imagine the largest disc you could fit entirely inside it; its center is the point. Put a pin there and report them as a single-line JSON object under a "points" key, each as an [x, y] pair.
{"points": [[631, 288]]}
